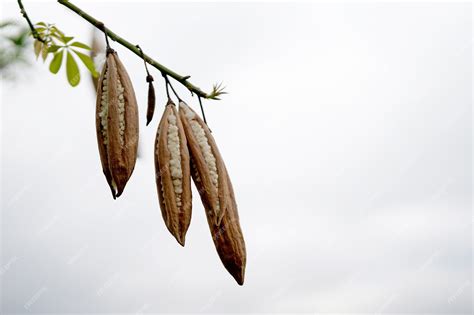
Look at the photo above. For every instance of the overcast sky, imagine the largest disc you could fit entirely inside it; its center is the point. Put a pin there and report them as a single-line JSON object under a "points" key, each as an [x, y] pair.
{"points": [[346, 132]]}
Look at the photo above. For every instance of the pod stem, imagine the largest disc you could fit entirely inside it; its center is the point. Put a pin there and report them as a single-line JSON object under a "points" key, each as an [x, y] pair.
{"points": [[151, 91], [168, 83], [202, 111]]}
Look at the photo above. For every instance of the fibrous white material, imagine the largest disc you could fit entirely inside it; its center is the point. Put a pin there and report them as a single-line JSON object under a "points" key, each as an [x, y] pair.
{"points": [[175, 158], [104, 110], [99, 60], [201, 138], [121, 109], [116, 123]]}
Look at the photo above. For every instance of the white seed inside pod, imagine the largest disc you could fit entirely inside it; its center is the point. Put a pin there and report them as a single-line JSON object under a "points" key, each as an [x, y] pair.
{"points": [[104, 110], [103, 115], [121, 110], [201, 138], [175, 157]]}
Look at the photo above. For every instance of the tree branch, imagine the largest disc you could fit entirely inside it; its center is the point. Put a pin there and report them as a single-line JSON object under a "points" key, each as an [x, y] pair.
{"points": [[164, 70], [30, 24], [133, 48]]}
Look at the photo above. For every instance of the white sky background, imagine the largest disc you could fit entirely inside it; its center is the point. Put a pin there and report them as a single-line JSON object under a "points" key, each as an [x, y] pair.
{"points": [[347, 134]]}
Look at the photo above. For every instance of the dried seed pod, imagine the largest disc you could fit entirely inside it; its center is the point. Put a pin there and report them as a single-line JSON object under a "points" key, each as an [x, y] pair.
{"points": [[172, 169], [151, 99], [117, 123], [229, 240], [224, 225], [207, 161]]}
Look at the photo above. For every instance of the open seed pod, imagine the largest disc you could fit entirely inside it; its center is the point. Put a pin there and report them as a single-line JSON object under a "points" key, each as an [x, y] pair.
{"points": [[172, 169], [208, 166], [116, 123], [217, 195], [229, 240]]}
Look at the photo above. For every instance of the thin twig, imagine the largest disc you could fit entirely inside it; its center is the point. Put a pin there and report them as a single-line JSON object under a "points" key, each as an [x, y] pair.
{"points": [[144, 61], [172, 88], [202, 110], [166, 86], [181, 79], [34, 32], [104, 30]]}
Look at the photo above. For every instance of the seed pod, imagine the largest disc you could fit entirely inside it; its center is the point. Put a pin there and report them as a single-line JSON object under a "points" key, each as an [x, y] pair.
{"points": [[151, 100], [207, 161], [172, 169], [206, 164], [229, 240], [117, 123]]}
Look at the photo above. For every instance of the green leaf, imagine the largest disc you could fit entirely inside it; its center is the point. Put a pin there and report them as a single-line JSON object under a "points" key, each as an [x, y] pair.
{"points": [[17, 40], [72, 70], [66, 39], [57, 36], [87, 62], [80, 45], [55, 30], [55, 64], [54, 48], [41, 23], [38, 46], [44, 52]]}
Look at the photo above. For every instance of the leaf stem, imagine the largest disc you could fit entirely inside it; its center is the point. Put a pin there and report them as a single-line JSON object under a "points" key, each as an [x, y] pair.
{"points": [[163, 69]]}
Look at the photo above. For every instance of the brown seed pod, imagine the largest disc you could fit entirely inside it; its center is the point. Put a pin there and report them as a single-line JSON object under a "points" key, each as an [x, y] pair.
{"points": [[117, 123], [214, 186], [229, 240], [208, 162], [172, 169], [151, 99]]}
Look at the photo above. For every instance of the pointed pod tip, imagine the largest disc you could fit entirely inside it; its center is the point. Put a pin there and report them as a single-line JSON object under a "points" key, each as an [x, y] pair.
{"points": [[112, 190], [181, 241], [119, 193], [120, 187], [239, 277], [237, 271]]}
